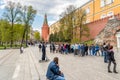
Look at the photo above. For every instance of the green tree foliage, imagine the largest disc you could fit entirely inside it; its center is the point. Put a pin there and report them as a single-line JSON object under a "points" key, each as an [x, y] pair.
{"points": [[10, 28], [67, 23], [0, 31], [37, 36], [18, 32], [54, 37], [28, 15], [5, 31], [73, 25], [80, 23], [51, 38], [12, 14]]}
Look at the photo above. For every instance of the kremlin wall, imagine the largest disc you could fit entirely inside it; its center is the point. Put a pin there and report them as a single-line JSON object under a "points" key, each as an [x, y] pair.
{"points": [[99, 12]]}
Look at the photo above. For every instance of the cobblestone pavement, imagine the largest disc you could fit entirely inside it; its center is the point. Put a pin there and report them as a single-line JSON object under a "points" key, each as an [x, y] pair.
{"points": [[26, 66]]}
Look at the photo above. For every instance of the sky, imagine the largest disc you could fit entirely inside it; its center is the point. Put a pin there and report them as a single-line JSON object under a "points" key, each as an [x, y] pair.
{"points": [[53, 8]]}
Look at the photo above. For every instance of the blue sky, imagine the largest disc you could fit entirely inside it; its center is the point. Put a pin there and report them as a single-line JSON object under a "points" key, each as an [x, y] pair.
{"points": [[53, 8]]}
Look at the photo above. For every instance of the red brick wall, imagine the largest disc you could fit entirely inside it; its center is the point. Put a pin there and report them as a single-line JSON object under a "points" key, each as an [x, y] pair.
{"points": [[97, 26], [45, 33]]}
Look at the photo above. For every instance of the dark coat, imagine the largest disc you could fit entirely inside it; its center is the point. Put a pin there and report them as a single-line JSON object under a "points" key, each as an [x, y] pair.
{"points": [[43, 48], [111, 56], [86, 48]]}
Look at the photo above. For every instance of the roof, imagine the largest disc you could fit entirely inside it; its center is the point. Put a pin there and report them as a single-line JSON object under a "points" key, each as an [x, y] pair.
{"points": [[45, 20]]}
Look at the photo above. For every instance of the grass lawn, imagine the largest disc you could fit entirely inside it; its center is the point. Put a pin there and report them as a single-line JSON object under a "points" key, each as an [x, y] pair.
{"points": [[14, 47]]}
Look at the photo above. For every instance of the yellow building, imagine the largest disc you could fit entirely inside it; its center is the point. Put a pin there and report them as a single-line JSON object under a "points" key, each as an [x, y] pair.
{"points": [[95, 10], [98, 9], [98, 13], [54, 27]]}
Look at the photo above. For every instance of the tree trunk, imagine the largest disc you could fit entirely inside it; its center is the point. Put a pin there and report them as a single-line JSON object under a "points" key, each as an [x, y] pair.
{"points": [[26, 38], [23, 37], [11, 35], [0, 43]]}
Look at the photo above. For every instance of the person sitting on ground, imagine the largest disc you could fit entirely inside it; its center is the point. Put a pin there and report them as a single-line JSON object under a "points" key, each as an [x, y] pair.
{"points": [[53, 72]]}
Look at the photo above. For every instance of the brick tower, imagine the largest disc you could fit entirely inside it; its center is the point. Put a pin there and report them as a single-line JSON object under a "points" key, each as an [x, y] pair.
{"points": [[45, 30]]}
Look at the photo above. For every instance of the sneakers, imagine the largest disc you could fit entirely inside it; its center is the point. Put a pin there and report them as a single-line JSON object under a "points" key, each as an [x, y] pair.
{"points": [[115, 72], [109, 71], [44, 60]]}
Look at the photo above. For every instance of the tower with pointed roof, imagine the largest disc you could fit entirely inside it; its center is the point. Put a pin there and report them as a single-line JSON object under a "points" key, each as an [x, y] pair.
{"points": [[45, 30]]}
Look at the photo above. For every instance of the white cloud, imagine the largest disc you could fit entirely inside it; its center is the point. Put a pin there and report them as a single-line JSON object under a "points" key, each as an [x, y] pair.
{"points": [[38, 29], [51, 22], [2, 4], [53, 8]]}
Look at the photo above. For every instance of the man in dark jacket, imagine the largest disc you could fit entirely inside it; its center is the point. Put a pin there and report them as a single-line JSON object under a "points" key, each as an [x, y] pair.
{"points": [[111, 59], [86, 49], [43, 51], [53, 72]]}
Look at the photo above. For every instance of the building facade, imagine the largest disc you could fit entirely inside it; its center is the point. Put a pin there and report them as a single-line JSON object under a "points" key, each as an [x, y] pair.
{"points": [[45, 30], [99, 9], [99, 12], [55, 27]]}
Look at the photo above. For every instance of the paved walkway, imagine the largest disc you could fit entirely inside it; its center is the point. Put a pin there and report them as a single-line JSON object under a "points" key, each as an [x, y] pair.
{"points": [[16, 66]]}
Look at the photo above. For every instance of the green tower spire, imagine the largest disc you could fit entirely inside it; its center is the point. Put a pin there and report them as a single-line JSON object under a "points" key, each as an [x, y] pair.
{"points": [[45, 20]]}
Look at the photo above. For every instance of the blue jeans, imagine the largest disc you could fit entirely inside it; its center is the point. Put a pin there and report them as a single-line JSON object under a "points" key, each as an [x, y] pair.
{"points": [[102, 53], [60, 78], [66, 51], [105, 56], [93, 52]]}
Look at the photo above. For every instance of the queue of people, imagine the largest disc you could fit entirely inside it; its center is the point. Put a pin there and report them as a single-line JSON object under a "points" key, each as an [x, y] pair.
{"points": [[77, 49], [105, 50]]}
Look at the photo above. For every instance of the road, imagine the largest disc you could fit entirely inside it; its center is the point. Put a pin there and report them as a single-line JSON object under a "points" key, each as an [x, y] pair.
{"points": [[26, 66]]}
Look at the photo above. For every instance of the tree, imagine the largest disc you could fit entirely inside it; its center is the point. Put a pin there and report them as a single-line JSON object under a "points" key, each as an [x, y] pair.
{"points": [[37, 36], [51, 38], [28, 14], [4, 31], [0, 32], [80, 23], [18, 32], [67, 23], [12, 14]]}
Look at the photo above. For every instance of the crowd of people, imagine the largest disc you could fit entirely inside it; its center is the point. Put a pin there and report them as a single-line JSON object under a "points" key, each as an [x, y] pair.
{"points": [[105, 50], [78, 49]]}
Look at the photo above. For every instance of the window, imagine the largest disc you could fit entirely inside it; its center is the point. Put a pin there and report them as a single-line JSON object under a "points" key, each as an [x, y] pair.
{"points": [[102, 3], [110, 13], [87, 21], [87, 10], [109, 1], [103, 16], [106, 2]]}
